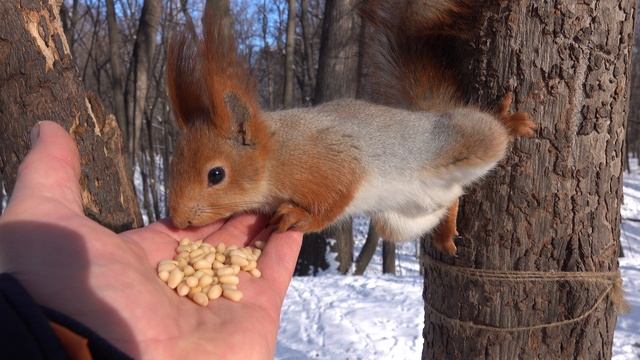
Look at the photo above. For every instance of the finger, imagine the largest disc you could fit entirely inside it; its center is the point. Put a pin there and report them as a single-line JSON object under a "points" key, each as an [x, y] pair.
{"points": [[239, 230], [278, 260], [50, 172]]}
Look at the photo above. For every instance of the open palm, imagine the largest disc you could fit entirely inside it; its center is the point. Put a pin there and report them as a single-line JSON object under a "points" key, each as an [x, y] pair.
{"points": [[108, 281]]}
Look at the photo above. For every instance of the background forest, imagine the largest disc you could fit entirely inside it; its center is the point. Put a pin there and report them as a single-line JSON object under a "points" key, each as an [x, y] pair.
{"points": [[551, 206]]}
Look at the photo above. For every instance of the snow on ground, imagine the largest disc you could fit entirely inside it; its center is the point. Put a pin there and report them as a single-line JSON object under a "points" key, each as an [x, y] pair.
{"points": [[379, 316], [626, 341]]}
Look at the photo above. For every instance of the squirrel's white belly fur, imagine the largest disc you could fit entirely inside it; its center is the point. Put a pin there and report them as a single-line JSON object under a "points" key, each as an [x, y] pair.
{"points": [[406, 209]]}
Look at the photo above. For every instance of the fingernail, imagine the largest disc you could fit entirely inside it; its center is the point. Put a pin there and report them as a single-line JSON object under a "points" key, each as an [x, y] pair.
{"points": [[35, 134]]}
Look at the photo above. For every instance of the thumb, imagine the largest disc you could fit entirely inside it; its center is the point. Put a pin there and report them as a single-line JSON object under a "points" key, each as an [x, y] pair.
{"points": [[49, 173]]}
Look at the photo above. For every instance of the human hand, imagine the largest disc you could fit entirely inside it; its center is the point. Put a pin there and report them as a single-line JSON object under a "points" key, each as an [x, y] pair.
{"points": [[108, 281]]}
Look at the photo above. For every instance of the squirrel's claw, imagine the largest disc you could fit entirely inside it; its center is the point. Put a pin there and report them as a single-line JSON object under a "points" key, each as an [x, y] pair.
{"points": [[289, 216], [520, 123]]}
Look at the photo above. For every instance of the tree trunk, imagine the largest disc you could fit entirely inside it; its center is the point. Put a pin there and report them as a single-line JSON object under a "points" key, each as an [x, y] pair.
{"points": [[290, 53], [367, 252], [308, 51], [388, 257], [552, 207], [38, 81], [312, 255], [338, 52], [343, 234]]}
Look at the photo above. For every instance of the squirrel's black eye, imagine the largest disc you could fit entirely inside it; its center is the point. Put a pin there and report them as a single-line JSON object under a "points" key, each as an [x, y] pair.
{"points": [[216, 175]]}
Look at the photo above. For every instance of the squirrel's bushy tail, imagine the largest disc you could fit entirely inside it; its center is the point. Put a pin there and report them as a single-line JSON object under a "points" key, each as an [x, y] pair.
{"points": [[412, 55]]}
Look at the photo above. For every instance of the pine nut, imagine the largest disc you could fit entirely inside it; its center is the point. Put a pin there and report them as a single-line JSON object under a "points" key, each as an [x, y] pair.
{"points": [[163, 275], [250, 266], [183, 248], [237, 260], [175, 276], [255, 273], [259, 244], [205, 280], [233, 295], [201, 299], [167, 267], [194, 254], [229, 279], [192, 281], [183, 289], [239, 253], [194, 290], [227, 270], [188, 270], [202, 264], [204, 272], [214, 292]]}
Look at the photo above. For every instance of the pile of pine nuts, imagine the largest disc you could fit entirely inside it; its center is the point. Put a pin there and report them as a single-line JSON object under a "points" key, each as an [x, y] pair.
{"points": [[205, 272]]}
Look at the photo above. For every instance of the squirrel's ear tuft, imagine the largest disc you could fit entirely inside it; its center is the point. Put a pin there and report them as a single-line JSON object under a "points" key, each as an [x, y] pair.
{"points": [[186, 88], [239, 116]]}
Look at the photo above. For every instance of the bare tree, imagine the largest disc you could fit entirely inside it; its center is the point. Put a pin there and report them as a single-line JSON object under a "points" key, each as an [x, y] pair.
{"points": [[537, 269], [143, 51], [367, 252], [388, 257], [117, 68], [290, 54]]}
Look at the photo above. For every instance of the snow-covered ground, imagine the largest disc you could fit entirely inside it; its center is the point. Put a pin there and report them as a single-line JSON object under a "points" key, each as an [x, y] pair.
{"points": [[379, 316], [626, 341]]}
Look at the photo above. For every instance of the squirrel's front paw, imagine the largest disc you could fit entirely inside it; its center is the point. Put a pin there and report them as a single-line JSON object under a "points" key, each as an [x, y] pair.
{"points": [[291, 217], [518, 124]]}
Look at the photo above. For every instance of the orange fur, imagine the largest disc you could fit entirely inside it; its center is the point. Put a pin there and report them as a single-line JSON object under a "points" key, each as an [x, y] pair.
{"points": [[315, 199], [215, 106], [221, 124]]}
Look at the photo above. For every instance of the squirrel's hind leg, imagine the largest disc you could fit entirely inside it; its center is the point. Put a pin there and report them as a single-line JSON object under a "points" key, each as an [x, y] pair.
{"points": [[443, 235]]}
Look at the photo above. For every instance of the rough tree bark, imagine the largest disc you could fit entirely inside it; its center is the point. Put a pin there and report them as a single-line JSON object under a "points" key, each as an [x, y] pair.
{"points": [[553, 204], [290, 55], [38, 81]]}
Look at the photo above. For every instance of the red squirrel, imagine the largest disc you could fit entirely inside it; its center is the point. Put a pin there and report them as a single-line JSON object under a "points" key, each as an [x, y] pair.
{"points": [[311, 167]]}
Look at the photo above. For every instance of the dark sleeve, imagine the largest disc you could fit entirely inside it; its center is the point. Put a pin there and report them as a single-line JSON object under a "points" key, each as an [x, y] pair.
{"points": [[26, 331]]}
